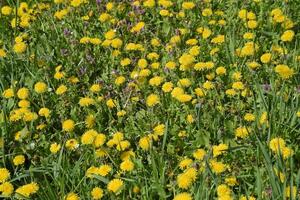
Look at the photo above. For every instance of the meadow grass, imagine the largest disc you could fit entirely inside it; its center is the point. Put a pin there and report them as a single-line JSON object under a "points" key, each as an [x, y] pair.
{"points": [[150, 99]]}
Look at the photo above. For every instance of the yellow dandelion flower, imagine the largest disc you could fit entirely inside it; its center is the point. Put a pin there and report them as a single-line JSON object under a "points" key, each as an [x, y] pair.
{"points": [[127, 165], [4, 175], [68, 125], [28, 189], [152, 100], [20, 47], [8, 93], [97, 193], [19, 160], [61, 90], [54, 148], [7, 189], [115, 185], [183, 196], [188, 5], [287, 36], [284, 71], [71, 196], [71, 144]]}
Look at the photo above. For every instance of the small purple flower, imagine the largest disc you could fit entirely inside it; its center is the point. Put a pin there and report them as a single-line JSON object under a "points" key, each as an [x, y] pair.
{"points": [[90, 59], [266, 87], [99, 81], [134, 61], [269, 192], [109, 88], [166, 70], [198, 105], [107, 96], [85, 92], [67, 32], [139, 11], [98, 1], [86, 24], [171, 53], [64, 52], [127, 89], [82, 71], [114, 72]]}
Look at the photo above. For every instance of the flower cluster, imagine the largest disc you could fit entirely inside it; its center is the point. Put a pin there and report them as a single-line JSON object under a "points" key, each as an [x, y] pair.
{"points": [[149, 99]]}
